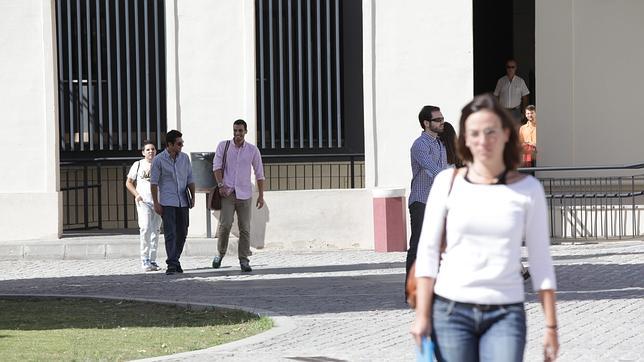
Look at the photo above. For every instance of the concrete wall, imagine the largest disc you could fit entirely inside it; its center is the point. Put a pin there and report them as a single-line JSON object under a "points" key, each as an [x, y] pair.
{"points": [[211, 69], [29, 196], [303, 219], [589, 56], [211, 75], [416, 53], [314, 219]]}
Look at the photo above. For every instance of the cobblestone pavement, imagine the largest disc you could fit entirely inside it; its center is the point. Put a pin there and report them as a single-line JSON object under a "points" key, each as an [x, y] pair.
{"points": [[348, 305]]}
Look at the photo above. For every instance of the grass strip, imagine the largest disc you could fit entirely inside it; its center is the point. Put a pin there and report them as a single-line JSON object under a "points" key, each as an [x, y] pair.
{"points": [[36, 329]]}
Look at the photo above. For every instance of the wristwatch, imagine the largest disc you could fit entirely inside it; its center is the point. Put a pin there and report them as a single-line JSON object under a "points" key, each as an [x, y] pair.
{"points": [[220, 184]]}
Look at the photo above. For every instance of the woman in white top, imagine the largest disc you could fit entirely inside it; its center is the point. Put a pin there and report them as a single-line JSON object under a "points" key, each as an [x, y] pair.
{"points": [[472, 306], [138, 183]]}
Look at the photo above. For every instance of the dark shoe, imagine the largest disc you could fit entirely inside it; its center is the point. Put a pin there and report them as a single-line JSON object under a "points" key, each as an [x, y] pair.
{"points": [[179, 269], [171, 270], [245, 266], [216, 262]]}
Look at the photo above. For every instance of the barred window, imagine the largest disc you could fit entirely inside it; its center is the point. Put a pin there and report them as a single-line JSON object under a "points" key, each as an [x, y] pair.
{"points": [[302, 62], [111, 71]]}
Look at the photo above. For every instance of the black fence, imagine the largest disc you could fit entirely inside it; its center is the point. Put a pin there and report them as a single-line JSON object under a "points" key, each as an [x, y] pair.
{"points": [[594, 207], [95, 197], [314, 172], [605, 206]]}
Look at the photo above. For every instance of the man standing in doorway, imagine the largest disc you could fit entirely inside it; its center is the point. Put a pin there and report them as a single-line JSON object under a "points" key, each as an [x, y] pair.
{"points": [[428, 158], [528, 138], [236, 191], [170, 180], [512, 92]]}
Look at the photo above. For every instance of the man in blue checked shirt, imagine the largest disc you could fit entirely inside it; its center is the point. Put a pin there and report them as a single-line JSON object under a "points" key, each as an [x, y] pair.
{"points": [[428, 158], [170, 180]]}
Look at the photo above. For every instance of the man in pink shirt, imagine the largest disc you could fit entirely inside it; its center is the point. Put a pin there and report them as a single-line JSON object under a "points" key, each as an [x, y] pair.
{"points": [[234, 181]]}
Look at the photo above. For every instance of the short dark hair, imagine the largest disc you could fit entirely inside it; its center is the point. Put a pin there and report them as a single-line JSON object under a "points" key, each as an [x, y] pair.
{"points": [[172, 136], [241, 122], [531, 108], [511, 151], [426, 114], [148, 142]]}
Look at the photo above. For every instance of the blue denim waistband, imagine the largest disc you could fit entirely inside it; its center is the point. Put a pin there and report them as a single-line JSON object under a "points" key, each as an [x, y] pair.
{"points": [[482, 307]]}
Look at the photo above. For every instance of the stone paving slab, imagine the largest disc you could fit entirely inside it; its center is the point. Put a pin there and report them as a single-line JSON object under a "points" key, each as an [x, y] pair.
{"points": [[348, 305]]}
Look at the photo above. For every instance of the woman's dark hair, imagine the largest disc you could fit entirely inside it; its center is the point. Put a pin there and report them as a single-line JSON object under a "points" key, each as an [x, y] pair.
{"points": [[448, 138], [148, 142], [511, 151]]}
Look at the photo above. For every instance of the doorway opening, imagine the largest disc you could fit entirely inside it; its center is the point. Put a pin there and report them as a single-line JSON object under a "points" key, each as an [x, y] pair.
{"points": [[503, 29]]}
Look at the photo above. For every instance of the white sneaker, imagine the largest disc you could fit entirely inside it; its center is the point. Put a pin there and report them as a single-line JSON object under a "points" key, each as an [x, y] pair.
{"points": [[146, 266]]}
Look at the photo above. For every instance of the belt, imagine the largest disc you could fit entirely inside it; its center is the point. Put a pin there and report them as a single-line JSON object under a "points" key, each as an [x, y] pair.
{"points": [[482, 307]]}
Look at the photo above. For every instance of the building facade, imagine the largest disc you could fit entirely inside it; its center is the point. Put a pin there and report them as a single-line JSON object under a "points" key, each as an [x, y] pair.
{"points": [[411, 53]]}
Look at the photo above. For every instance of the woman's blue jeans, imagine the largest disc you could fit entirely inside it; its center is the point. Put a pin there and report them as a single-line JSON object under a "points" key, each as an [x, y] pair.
{"points": [[464, 332]]}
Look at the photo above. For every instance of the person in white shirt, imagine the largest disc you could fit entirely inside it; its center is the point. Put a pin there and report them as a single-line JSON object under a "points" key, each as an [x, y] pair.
{"points": [[472, 306], [512, 92], [138, 184]]}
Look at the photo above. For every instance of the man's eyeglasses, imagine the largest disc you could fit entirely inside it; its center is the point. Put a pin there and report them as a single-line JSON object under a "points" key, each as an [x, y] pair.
{"points": [[510, 66], [440, 120]]}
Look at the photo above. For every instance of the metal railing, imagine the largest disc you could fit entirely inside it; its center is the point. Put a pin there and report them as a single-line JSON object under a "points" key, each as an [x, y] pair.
{"points": [[94, 194], [594, 207], [95, 197], [313, 172]]}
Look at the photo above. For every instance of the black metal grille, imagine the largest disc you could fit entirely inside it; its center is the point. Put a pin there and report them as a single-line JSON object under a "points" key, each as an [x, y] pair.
{"points": [[313, 172], [94, 195], [111, 70], [299, 65]]}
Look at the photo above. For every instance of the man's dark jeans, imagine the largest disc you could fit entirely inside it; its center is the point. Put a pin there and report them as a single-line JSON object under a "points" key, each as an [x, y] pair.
{"points": [[175, 230], [416, 215]]}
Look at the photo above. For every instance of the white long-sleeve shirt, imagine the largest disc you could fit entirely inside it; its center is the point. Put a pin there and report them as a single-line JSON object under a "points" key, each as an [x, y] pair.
{"points": [[486, 225]]}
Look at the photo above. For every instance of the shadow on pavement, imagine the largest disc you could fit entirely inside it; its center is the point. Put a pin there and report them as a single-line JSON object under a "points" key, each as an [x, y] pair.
{"points": [[591, 256], [598, 282], [33, 313], [259, 269], [288, 295]]}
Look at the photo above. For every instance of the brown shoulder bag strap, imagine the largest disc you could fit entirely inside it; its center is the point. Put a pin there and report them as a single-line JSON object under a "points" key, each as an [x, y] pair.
{"points": [[449, 191], [223, 164]]}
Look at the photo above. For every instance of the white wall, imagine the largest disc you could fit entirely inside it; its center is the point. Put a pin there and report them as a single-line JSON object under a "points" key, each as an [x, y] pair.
{"points": [[29, 187], [589, 79], [211, 75], [416, 53], [320, 218], [211, 69], [304, 219]]}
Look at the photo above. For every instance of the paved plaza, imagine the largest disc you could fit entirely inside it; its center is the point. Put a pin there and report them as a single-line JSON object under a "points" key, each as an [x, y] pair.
{"points": [[332, 305]]}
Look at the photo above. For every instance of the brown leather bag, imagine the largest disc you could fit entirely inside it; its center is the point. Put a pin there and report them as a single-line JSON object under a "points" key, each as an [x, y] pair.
{"points": [[411, 281], [215, 198]]}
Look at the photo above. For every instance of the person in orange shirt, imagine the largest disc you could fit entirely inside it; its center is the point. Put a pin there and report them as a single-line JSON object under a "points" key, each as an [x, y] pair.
{"points": [[528, 138]]}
